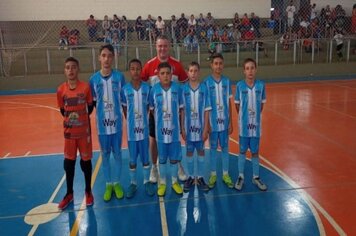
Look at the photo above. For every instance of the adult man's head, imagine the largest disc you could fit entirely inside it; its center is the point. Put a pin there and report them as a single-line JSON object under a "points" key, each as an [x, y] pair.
{"points": [[162, 48]]}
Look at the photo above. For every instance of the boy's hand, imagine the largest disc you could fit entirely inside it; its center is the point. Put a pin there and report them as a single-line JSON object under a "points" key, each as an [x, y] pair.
{"points": [[205, 135]]}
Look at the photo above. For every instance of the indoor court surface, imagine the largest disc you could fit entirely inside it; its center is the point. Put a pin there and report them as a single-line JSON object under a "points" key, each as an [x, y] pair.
{"points": [[308, 157]]}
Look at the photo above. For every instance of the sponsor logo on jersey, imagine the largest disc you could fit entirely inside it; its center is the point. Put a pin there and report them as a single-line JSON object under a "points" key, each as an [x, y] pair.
{"points": [[194, 129], [138, 130], [109, 122], [220, 121], [251, 126], [166, 131]]}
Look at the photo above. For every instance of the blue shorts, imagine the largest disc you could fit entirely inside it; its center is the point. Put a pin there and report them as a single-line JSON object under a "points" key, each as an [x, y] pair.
{"points": [[110, 143], [139, 148], [222, 137], [197, 145], [173, 151], [252, 143]]}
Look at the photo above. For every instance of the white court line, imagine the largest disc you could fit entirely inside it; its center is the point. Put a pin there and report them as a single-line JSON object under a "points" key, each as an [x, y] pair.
{"points": [[33, 104], [306, 196], [8, 154], [162, 209], [27, 153], [34, 227]]}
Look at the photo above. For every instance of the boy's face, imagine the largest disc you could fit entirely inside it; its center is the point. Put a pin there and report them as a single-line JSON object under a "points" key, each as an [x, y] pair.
{"points": [[165, 75], [106, 57], [193, 73], [250, 70], [71, 70], [217, 65], [135, 71], [162, 48]]}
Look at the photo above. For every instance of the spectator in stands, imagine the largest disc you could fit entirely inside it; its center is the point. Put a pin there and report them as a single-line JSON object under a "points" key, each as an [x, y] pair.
{"points": [[290, 14], [115, 42], [338, 37], [106, 25], [160, 26], [313, 12], [140, 28], [236, 21], [73, 38], [174, 28], [150, 28], [63, 37], [190, 41], [353, 20], [115, 27], [255, 23], [182, 24], [123, 28], [91, 24], [245, 24], [209, 20], [201, 33], [192, 23]]}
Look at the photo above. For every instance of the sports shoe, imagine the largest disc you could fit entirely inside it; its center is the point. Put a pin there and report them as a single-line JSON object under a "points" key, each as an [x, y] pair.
{"points": [[108, 192], [177, 188], [149, 188], [89, 198], [68, 198], [154, 174], [119, 193], [188, 183], [181, 174], [258, 182], [239, 183], [131, 191], [227, 180], [212, 181], [161, 191], [202, 185]]}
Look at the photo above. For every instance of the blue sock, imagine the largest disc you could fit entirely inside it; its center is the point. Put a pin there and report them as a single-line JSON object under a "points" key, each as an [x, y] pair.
{"points": [[162, 172], [117, 167], [146, 173], [174, 171], [201, 164], [190, 164], [106, 166], [255, 166], [225, 159], [241, 163], [213, 158]]}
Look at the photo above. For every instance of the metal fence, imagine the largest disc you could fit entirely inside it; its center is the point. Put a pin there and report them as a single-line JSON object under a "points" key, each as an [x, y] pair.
{"points": [[295, 32]]}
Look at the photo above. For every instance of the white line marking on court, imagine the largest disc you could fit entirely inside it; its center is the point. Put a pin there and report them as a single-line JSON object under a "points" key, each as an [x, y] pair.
{"points": [[33, 104], [162, 209], [8, 154], [27, 153], [306, 196], [54, 194]]}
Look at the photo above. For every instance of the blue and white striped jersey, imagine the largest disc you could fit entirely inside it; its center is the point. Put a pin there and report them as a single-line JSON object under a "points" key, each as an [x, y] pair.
{"points": [[196, 102], [107, 94], [250, 100], [136, 102], [166, 105], [219, 95]]}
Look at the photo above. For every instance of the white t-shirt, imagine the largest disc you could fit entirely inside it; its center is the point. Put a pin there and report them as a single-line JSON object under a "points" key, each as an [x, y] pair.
{"points": [[290, 11]]}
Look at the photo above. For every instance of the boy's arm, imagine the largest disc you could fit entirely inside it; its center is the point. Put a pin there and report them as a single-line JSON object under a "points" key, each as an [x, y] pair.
{"points": [[124, 109], [206, 126], [181, 116], [231, 128]]}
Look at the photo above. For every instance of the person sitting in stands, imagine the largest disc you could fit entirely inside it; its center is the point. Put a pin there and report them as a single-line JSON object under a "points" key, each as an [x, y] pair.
{"points": [[63, 37]]}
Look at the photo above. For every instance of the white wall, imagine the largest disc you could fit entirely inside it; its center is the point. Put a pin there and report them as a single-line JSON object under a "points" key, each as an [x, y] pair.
{"points": [[27, 10], [346, 4]]}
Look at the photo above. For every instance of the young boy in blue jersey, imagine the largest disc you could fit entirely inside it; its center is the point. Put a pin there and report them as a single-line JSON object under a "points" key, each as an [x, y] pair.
{"points": [[219, 90], [195, 125], [135, 107], [166, 103], [249, 100], [106, 85]]}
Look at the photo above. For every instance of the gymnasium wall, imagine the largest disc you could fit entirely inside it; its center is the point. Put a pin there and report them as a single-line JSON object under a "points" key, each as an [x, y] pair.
{"points": [[24, 10]]}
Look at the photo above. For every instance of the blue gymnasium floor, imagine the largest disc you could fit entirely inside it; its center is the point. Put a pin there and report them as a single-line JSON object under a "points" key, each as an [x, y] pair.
{"points": [[37, 182]]}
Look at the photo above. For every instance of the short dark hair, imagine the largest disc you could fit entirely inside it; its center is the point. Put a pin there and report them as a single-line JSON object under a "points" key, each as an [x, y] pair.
{"points": [[164, 65], [163, 37], [194, 63], [135, 60], [72, 59], [249, 59], [216, 55], [108, 47]]}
